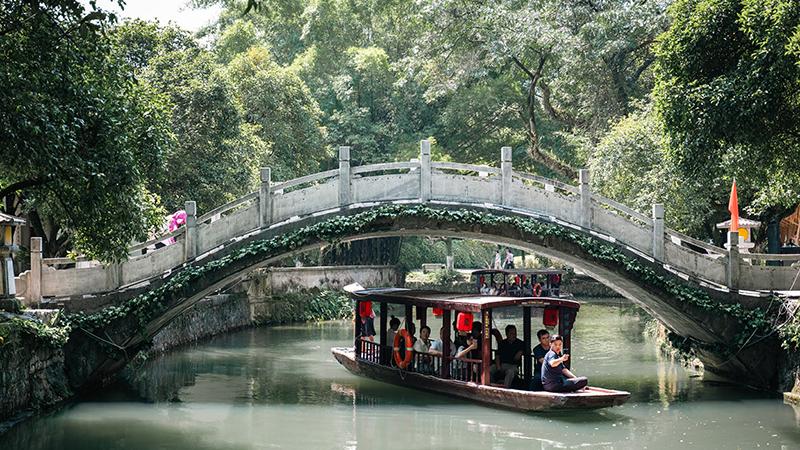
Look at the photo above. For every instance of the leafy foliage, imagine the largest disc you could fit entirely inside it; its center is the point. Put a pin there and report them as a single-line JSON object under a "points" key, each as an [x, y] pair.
{"points": [[728, 91], [78, 138]]}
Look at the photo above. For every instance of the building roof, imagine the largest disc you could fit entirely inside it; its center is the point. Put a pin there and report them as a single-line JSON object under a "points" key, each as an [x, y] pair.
{"points": [[8, 219], [455, 301], [743, 223]]}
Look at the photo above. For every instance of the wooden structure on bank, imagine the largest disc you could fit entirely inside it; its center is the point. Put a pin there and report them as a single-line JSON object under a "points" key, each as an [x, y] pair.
{"points": [[465, 377]]}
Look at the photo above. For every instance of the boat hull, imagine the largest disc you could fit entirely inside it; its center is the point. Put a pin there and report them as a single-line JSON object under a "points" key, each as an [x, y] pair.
{"points": [[589, 398]]}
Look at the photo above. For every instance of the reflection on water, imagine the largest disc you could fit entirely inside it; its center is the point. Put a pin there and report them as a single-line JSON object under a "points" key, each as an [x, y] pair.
{"points": [[280, 387]]}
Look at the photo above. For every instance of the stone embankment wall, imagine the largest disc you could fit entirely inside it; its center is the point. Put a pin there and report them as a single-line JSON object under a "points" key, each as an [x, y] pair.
{"points": [[32, 374], [31, 378], [583, 286], [212, 315]]}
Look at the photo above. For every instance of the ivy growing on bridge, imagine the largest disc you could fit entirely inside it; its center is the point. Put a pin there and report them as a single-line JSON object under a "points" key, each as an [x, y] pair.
{"points": [[148, 306]]}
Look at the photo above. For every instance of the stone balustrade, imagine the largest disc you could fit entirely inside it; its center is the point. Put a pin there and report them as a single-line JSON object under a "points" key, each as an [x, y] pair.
{"points": [[422, 181]]}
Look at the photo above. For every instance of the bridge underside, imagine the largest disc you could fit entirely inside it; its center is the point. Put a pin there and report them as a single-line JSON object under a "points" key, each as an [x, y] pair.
{"points": [[708, 330]]}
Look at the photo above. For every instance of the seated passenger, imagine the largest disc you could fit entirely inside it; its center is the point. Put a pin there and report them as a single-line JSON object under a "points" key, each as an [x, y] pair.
{"points": [[437, 347], [394, 325], [423, 347], [484, 289], [509, 356], [539, 351], [460, 336], [555, 376], [527, 289], [515, 290], [460, 370], [477, 333]]}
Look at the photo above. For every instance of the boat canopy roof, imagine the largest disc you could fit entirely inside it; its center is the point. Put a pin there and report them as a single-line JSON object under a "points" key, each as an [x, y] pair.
{"points": [[518, 271], [458, 302]]}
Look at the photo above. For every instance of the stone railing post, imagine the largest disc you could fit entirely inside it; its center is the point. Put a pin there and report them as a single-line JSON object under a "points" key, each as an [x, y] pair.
{"points": [[586, 199], [113, 276], [449, 258], [425, 170], [264, 199], [658, 232], [733, 260], [345, 195], [506, 175], [34, 291], [190, 241]]}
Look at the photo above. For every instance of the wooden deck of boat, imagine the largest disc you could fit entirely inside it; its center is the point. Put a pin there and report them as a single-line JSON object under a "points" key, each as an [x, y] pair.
{"points": [[589, 398]]}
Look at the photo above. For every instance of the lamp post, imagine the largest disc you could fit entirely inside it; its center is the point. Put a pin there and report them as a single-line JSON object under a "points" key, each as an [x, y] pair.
{"points": [[8, 293]]}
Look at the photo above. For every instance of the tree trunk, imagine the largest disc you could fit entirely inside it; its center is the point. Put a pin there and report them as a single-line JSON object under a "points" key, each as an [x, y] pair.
{"points": [[534, 149]]}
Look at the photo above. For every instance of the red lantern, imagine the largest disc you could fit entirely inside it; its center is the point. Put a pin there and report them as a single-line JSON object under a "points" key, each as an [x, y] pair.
{"points": [[438, 312], [516, 279], [550, 316], [464, 322], [365, 309], [523, 278], [482, 279]]}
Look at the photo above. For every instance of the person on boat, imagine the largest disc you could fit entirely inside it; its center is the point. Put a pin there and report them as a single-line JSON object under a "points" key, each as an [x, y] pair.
{"points": [[509, 262], [437, 347], [539, 352], [484, 289], [515, 290], [366, 328], [460, 336], [477, 333], [394, 325], [527, 288], [509, 357], [423, 347], [555, 376], [460, 370]]}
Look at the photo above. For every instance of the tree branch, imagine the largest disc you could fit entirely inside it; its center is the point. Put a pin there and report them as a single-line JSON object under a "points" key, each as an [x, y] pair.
{"points": [[20, 185]]}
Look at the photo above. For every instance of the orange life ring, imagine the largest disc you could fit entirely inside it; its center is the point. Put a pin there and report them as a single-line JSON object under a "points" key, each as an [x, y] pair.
{"points": [[537, 290], [403, 363]]}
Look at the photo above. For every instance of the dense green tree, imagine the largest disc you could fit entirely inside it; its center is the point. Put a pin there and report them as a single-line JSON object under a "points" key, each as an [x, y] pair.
{"points": [[631, 164], [78, 138], [577, 64], [728, 92], [279, 104], [217, 154]]}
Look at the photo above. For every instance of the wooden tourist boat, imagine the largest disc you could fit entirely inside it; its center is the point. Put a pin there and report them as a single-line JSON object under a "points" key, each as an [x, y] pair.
{"points": [[462, 377], [520, 282]]}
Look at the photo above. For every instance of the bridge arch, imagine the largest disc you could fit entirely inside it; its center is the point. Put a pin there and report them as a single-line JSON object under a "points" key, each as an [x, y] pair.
{"points": [[713, 322]]}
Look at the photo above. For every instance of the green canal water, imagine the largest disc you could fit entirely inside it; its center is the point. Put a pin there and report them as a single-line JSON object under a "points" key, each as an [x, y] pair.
{"points": [[280, 388]]}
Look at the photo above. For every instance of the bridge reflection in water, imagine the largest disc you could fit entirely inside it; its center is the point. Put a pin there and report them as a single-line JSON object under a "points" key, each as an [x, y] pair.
{"points": [[280, 387]]}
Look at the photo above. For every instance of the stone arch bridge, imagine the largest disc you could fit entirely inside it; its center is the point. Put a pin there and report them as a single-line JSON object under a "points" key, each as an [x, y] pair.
{"points": [[702, 293]]}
